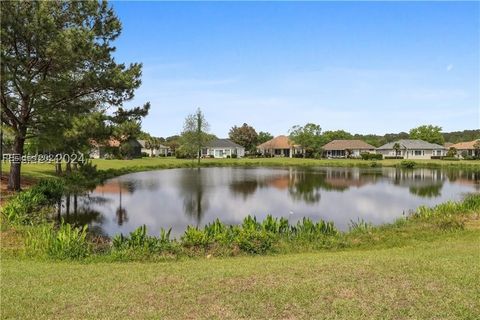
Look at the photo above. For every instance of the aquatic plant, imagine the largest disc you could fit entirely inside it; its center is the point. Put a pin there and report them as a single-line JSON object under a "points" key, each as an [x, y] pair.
{"points": [[64, 242]]}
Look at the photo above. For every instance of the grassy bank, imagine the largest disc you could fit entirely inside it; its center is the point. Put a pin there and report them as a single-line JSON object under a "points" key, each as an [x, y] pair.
{"points": [[435, 279], [116, 167], [424, 266]]}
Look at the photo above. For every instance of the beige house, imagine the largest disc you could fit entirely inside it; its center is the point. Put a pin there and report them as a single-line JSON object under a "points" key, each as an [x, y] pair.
{"points": [[100, 150], [154, 152], [412, 149], [347, 148], [467, 148], [280, 146]]}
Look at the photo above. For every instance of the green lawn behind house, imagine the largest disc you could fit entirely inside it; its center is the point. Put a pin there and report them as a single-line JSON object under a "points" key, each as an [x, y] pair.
{"points": [[143, 164]]}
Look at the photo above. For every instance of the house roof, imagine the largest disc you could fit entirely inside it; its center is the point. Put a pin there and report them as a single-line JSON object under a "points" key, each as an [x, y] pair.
{"points": [[468, 145], [411, 144], [223, 143], [280, 142], [109, 143], [143, 143], [347, 144]]}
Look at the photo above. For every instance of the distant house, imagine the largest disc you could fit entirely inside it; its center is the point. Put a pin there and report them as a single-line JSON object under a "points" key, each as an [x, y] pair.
{"points": [[466, 148], [347, 148], [104, 149], [412, 149], [280, 146], [223, 148], [154, 152], [131, 148]]}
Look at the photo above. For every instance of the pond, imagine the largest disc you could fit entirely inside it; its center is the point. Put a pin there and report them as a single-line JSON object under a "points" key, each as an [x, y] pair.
{"points": [[176, 198]]}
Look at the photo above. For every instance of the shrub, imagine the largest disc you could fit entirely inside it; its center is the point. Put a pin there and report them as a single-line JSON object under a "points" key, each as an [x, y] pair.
{"points": [[234, 156], [450, 158], [393, 157], [360, 226], [28, 207], [371, 156], [228, 156], [195, 237], [409, 164], [66, 242], [254, 241], [139, 242]]}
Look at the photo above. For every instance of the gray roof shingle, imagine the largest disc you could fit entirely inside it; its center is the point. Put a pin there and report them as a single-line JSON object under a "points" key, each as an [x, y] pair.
{"points": [[411, 144], [223, 143]]}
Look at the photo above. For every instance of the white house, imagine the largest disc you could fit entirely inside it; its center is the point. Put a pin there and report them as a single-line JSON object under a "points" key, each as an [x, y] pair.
{"points": [[223, 148], [411, 149]]}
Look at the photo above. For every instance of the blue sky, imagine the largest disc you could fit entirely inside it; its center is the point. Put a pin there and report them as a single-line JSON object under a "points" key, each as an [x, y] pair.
{"points": [[364, 67]]}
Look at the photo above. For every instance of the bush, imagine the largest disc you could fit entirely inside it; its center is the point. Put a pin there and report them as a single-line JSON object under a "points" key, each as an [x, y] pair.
{"points": [[451, 158], [371, 156], [392, 157], [28, 207], [234, 156], [409, 164], [254, 241], [228, 156], [66, 242], [139, 240]]}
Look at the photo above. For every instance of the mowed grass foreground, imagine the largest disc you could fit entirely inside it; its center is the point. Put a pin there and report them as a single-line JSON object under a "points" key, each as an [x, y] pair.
{"points": [[436, 279]]}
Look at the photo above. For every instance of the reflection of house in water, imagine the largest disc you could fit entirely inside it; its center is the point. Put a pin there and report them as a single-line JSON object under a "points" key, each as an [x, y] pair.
{"points": [[421, 182], [117, 188], [343, 178]]}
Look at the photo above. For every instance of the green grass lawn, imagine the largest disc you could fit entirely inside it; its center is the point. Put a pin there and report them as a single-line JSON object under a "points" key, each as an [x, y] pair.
{"points": [[46, 170], [430, 280]]}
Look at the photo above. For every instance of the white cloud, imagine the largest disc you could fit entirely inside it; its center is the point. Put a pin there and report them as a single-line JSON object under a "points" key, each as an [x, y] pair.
{"points": [[449, 67]]}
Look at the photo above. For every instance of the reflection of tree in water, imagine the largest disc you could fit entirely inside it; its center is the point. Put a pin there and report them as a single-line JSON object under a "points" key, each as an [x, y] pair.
{"points": [[306, 186], [430, 191], [244, 188], [82, 215], [121, 213], [194, 202]]}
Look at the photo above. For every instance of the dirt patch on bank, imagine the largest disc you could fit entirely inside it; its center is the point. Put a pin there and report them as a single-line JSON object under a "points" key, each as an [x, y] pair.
{"points": [[6, 194]]}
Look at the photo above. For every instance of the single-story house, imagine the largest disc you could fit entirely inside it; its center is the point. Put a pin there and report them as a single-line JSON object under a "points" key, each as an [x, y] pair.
{"points": [[103, 149], [280, 146], [154, 152], [467, 148], [347, 148], [412, 149], [223, 148], [130, 149]]}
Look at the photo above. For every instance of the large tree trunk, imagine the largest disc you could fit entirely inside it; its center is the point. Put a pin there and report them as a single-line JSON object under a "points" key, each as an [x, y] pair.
{"points": [[58, 168], [68, 167], [14, 178]]}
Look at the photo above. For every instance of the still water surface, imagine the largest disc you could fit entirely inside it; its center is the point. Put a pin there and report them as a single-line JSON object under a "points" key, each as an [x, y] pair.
{"points": [[179, 197]]}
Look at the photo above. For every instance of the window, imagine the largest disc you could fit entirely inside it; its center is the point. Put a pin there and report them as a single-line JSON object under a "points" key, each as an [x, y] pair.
{"points": [[418, 152]]}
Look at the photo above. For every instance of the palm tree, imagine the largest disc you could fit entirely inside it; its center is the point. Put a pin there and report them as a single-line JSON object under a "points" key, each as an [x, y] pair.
{"points": [[397, 148]]}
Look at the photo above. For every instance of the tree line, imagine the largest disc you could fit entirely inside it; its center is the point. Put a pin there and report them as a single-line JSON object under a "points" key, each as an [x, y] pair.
{"points": [[310, 137]]}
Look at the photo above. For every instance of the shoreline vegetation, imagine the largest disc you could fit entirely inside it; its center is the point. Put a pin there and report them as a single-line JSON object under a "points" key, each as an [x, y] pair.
{"points": [[26, 216], [422, 265]]}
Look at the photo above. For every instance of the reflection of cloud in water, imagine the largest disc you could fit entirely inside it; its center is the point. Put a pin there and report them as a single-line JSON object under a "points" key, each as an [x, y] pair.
{"points": [[157, 198]]}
